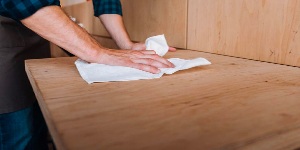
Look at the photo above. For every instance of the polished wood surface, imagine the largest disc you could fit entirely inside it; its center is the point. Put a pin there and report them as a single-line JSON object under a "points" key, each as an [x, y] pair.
{"points": [[232, 104], [266, 30]]}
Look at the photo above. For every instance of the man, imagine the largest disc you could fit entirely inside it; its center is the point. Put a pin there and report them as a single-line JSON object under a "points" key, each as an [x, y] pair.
{"points": [[21, 123]]}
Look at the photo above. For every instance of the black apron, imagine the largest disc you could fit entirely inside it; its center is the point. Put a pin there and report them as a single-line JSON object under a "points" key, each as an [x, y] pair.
{"points": [[17, 43]]}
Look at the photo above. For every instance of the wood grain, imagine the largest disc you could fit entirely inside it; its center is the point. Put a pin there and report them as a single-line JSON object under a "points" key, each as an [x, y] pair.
{"points": [[145, 18], [84, 13], [65, 3], [265, 30], [232, 104], [106, 42], [57, 51]]}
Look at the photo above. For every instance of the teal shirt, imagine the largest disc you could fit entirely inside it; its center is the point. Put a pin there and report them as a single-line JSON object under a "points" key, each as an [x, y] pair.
{"points": [[21, 9]]}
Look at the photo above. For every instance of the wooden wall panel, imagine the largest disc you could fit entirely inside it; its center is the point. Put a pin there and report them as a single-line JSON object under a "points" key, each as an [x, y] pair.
{"points": [[57, 51], [266, 30], [145, 18], [65, 3], [84, 13], [106, 42]]}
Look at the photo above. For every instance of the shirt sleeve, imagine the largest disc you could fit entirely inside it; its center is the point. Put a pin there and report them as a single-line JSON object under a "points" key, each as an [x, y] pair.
{"points": [[107, 7], [21, 9]]}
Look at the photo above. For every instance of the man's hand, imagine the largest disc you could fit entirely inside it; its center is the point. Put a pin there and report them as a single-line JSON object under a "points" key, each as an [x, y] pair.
{"points": [[145, 60]]}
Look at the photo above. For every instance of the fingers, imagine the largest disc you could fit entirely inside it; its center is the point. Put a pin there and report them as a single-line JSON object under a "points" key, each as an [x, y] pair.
{"points": [[151, 58], [150, 52], [145, 60], [172, 49], [146, 68]]}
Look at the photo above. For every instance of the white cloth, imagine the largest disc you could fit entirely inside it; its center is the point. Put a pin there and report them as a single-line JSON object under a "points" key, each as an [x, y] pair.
{"points": [[92, 72], [158, 44]]}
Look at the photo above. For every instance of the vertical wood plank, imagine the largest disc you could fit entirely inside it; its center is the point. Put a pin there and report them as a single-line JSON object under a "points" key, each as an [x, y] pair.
{"points": [[265, 30], [145, 18], [84, 13]]}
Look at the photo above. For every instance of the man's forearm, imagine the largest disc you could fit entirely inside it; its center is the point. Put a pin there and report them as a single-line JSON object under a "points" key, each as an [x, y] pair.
{"points": [[115, 26], [52, 24]]}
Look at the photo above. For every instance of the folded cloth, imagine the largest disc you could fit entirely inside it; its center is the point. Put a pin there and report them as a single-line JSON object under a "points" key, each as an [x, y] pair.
{"points": [[92, 72], [158, 44]]}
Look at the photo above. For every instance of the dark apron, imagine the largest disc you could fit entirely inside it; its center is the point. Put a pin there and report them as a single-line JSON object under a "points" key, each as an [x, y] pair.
{"points": [[17, 43]]}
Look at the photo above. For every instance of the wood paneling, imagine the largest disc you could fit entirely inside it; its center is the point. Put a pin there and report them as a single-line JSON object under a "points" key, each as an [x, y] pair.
{"points": [[266, 30], [232, 104], [84, 13], [65, 3], [57, 51], [142, 19], [145, 18], [106, 42]]}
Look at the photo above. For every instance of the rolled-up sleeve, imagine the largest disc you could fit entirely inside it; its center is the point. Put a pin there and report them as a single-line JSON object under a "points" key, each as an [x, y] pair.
{"points": [[107, 7], [21, 9]]}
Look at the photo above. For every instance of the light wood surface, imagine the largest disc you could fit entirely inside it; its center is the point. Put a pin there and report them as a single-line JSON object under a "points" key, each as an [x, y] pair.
{"points": [[266, 30], [84, 13], [106, 42], [145, 18], [232, 104], [65, 3]]}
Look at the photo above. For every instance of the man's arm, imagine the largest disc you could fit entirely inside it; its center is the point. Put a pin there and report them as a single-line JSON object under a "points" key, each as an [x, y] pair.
{"points": [[115, 26], [110, 14], [54, 25]]}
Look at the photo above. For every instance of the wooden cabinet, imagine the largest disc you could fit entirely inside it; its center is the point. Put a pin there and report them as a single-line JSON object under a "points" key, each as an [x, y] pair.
{"points": [[265, 30]]}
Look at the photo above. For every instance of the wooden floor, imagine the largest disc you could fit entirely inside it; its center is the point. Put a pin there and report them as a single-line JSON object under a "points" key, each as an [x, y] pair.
{"points": [[232, 104]]}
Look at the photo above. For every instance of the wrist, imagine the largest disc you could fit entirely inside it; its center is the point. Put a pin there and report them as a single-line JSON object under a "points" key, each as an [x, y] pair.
{"points": [[126, 45]]}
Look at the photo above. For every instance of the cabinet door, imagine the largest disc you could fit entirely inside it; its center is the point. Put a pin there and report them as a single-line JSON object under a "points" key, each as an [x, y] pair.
{"points": [[265, 30]]}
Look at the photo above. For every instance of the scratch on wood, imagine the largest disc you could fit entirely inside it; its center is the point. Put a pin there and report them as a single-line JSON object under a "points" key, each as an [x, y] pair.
{"points": [[272, 52]]}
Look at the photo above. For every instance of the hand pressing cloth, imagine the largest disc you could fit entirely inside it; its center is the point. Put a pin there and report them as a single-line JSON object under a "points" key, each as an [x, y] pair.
{"points": [[92, 72]]}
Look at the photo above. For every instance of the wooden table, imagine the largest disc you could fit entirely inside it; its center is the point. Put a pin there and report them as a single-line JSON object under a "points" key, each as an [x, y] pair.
{"points": [[232, 104]]}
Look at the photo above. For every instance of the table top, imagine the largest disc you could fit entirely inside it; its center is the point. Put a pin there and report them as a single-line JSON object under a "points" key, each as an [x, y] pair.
{"points": [[232, 104]]}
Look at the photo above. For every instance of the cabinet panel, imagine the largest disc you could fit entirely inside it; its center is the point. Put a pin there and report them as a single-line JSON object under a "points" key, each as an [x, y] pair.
{"points": [[265, 30], [145, 18], [84, 13]]}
